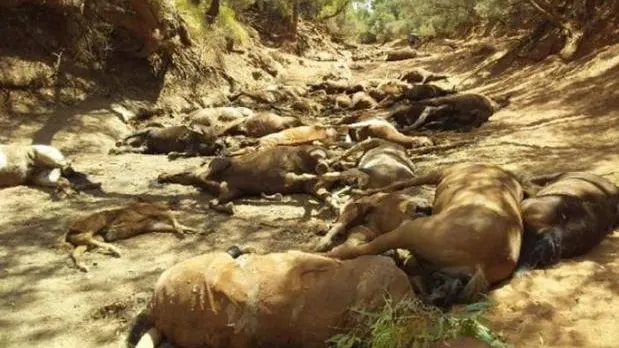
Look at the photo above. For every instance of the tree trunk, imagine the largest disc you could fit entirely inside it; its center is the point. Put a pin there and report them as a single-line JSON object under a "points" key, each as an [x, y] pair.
{"points": [[213, 12], [295, 18], [571, 30], [548, 11]]}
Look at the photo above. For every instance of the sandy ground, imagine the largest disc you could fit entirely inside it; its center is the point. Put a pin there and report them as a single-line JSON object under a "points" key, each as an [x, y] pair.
{"points": [[562, 117]]}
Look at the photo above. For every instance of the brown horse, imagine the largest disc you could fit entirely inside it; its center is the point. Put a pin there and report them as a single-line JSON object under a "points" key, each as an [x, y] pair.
{"points": [[290, 299], [475, 229], [363, 219], [270, 171], [382, 162], [120, 223], [570, 215]]}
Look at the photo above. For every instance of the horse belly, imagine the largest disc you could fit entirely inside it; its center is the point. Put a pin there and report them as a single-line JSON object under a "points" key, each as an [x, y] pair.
{"points": [[163, 146], [384, 171], [475, 237]]}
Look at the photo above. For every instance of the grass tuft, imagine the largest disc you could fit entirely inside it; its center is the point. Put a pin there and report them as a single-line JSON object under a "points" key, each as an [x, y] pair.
{"points": [[410, 323]]}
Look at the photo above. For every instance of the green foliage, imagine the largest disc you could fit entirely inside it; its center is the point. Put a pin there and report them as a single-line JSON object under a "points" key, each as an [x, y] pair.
{"points": [[330, 7], [494, 9], [382, 19], [347, 24], [413, 324], [389, 19], [191, 14], [226, 23]]}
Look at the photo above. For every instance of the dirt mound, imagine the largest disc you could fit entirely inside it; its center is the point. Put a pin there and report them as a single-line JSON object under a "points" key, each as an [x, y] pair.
{"points": [[315, 42], [96, 132]]}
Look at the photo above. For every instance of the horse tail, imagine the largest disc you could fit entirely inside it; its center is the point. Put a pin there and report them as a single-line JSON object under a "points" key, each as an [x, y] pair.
{"points": [[150, 339], [142, 333], [542, 249]]}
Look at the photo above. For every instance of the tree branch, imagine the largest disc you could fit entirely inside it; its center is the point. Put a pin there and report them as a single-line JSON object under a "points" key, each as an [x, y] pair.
{"points": [[548, 11], [337, 11], [212, 12]]}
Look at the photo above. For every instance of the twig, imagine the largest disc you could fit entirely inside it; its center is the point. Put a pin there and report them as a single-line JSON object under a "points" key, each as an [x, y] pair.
{"points": [[57, 64], [444, 147]]}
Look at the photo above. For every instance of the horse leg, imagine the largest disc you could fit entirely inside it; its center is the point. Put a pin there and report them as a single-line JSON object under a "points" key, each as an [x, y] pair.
{"points": [[319, 191], [190, 178], [173, 227], [53, 178], [427, 112], [350, 212], [291, 178], [364, 146], [382, 243], [361, 234], [175, 155], [75, 256], [128, 149], [276, 197], [223, 202], [106, 246], [327, 240]]}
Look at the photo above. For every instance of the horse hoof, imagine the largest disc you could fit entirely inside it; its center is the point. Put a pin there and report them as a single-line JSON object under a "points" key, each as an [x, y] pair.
{"points": [[227, 208], [322, 246]]}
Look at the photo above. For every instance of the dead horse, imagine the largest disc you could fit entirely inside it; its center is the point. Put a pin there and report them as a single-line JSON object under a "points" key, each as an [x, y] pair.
{"points": [[474, 232], [290, 299], [569, 216]]}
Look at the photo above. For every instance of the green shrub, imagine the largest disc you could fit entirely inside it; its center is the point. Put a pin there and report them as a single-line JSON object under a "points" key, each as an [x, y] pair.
{"points": [[226, 23], [231, 26], [410, 323], [390, 19]]}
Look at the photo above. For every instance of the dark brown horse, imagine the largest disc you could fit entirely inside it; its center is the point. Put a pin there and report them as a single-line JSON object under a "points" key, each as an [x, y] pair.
{"points": [[570, 215]]}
